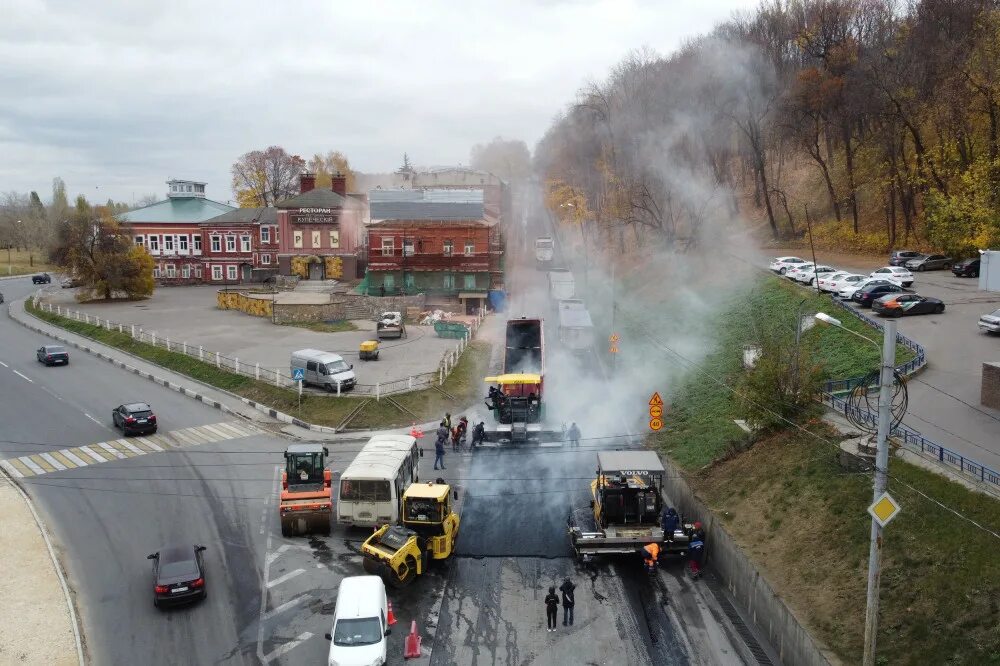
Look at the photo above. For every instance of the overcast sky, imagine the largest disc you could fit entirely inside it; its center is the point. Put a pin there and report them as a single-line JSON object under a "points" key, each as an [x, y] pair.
{"points": [[117, 99]]}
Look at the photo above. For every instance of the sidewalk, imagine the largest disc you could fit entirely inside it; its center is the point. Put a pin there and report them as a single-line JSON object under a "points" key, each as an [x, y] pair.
{"points": [[38, 623]]}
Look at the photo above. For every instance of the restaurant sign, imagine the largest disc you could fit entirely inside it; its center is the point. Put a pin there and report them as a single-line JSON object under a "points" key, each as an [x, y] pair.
{"points": [[314, 216]]}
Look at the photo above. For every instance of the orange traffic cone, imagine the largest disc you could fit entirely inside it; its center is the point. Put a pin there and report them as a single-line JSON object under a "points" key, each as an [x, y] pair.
{"points": [[415, 431], [412, 647], [392, 616]]}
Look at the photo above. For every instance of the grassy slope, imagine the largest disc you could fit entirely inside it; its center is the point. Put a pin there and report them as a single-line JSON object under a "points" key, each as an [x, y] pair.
{"points": [[23, 262], [464, 383]]}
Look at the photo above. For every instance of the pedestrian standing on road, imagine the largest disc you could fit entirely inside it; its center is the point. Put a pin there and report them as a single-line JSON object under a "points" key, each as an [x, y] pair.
{"points": [[568, 601], [574, 434], [442, 437], [552, 608]]}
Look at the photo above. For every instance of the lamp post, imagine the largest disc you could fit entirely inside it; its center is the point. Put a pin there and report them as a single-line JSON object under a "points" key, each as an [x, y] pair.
{"points": [[888, 352]]}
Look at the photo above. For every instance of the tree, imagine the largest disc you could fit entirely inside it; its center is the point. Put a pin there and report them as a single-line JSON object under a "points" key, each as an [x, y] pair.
{"points": [[333, 162], [265, 177], [508, 159]]}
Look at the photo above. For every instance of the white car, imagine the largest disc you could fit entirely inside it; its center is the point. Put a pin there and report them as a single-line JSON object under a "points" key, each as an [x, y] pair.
{"points": [[826, 281], [809, 276], [794, 270], [847, 293], [895, 274], [360, 625], [782, 264], [845, 280]]}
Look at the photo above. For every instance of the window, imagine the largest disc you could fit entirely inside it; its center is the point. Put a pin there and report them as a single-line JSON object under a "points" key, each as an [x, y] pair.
{"points": [[245, 244], [389, 281], [334, 238], [197, 243], [297, 240], [185, 271], [197, 271], [182, 243], [315, 239], [407, 247], [231, 272], [448, 281], [216, 272], [410, 280], [275, 235], [469, 281], [265, 234], [168, 243], [216, 244], [470, 248], [449, 247], [156, 271], [171, 271], [154, 243], [230, 243], [388, 247], [188, 188], [139, 241], [265, 259]]}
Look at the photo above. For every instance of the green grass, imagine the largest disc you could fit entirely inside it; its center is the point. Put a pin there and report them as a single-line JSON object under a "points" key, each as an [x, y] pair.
{"points": [[325, 326], [464, 383], [23, 262]]}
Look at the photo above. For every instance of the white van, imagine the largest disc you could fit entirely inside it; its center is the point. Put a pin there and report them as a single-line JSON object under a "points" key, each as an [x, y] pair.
{"points": [[358, 637], [324, 369]]}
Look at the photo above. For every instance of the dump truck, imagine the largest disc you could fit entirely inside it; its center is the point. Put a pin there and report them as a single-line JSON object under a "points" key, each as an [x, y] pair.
{"points": [[306, 492], [427, 530], [576, 329], [561, 284], [544, 250], [390, 325]]}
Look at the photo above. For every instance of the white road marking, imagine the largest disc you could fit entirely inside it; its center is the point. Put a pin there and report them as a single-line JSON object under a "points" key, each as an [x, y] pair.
{"points": [[24, 377], [281, 579], [52, 461], [285, 606], [112, 450], [275, 484], [132, 447], [32, 465], [74, 458], [4, 364], [287, 646], [151, 444], [93, 419], [90, 452], [11, 469]]}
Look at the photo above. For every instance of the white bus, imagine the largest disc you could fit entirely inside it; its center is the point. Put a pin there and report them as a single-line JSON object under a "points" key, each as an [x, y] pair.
{"points": [[371, 488]]}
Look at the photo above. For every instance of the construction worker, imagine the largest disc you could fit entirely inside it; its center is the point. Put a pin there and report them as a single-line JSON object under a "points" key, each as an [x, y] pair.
{"points": [[695, 550], [651, 555], [551, 608], [442, 437], [573, 434], [669, 521], [478, 434], [568, 601], [447, 420]]}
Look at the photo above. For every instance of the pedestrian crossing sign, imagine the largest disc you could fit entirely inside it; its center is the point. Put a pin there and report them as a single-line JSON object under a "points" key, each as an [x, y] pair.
{"points": [[298, 374], [884, 509]]}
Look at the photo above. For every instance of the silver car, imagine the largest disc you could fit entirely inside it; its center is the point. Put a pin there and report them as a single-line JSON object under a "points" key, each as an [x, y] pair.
{"points": [[990, 323], [930, 262]]}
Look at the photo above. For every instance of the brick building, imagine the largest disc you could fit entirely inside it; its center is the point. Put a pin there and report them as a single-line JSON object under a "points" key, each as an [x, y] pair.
{"points": [[240, 246], [438, 242]]}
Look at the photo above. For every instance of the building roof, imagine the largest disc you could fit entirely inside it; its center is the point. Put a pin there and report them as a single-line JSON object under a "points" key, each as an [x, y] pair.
{"points": [[632, 461], [315, 198], [426, 204], [246, 216], [187, 209]]}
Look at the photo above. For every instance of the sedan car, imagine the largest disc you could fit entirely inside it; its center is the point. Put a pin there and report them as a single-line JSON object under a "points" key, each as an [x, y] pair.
{"points": [[794, 270], [827, 280], [900, 257], [866, 295], [897, 274], [846, 280], [897, 305], [52, 355], [71, 283], [809, 276], [966, 268], [782, 264], [134, 418], [990, 323], [42, 278], [929, 262], [178, 574]]}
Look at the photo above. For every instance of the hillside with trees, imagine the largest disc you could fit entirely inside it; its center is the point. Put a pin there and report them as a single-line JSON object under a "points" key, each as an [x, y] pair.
{"points": [[875, 123]]}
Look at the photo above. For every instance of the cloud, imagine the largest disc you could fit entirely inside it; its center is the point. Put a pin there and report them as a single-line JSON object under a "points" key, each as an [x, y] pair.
{"points": [[117, 97]]}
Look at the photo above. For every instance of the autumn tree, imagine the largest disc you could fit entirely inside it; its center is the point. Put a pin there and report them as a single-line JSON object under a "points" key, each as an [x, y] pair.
{"points": [[265, 177], [325, 166]]}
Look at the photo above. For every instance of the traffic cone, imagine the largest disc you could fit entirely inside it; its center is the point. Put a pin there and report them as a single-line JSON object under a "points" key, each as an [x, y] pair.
{"points": [[415, 431], [392, 616], [412, 646]]}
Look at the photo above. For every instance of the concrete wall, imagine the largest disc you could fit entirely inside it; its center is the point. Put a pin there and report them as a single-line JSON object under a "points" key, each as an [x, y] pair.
{"points": [[344, 306], [754, 595], [990, 392]]}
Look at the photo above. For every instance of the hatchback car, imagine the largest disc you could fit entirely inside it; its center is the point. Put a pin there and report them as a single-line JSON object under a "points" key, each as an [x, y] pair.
{"points": [[134, 418], [178, 574], [990, 323], [929, 262], [42, 278], [782, 264], [900, 257], [52, 355], [966, 268], [898, 305], [897, 274], [866, 295]]}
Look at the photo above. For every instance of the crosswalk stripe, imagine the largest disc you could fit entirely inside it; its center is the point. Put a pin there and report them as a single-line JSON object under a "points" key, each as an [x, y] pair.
{"points": [[67, 463], [112, 451], [119, 444], [162, 441], [21, 467], [32, 465], [192, 434], [219, 436], [141, 445], [93, 454], [151, 444], [184, 437], [77, 460], [229, 428], [43, 463], [13, 471], [132, 447]]}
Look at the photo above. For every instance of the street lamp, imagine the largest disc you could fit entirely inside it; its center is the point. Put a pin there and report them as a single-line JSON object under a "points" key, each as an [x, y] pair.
{"points": [[888, 352]]}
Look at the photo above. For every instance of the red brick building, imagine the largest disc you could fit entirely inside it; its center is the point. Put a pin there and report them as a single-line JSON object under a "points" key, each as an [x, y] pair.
{"points": [[240, 246]]}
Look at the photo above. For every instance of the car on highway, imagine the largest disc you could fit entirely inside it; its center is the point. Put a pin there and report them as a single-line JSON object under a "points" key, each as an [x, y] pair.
{"points": [[134, 418], [52, 355], [360, 623], [899, 305], [866, 295], [930, 262], [41, 278], [897, 274], [178, 574], [966, 268], [782, 264], [827, 280], [808, 276], [900, 257], [990, 323]]}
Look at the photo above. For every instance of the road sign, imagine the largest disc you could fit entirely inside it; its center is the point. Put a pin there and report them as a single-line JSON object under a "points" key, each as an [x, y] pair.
{"points": [[656, 400], [613, 343], [884, 509], [298, 374], [656, 411], [613, 339], [655, 424]]}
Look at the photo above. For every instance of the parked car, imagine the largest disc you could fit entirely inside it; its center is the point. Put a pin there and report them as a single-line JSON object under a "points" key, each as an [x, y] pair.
{"points": [[900, 257], [794, 270], [897, 305], [897, 274], [866, 295], [133, 418], [42, 278], [929, 262], [360, 627], [52, 355], [990, 323], [847, 293], [966, 268], [178, 574], [826, 280], [809, 276], [782, 264], [845, 280], [71, 283]]}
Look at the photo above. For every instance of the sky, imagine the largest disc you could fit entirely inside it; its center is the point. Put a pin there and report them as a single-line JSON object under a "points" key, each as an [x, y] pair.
{"points": [[116, 98]]}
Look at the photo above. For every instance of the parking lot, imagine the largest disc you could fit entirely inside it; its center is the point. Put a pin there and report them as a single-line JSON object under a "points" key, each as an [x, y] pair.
{"points": [[944, 398]]}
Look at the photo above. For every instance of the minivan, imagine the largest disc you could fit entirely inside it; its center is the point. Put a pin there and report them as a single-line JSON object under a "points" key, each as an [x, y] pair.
{"points": [[324, 369], [360, 623]]}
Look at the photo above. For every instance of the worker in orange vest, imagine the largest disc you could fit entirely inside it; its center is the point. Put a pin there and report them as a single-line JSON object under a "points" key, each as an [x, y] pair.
{"points": [[651, 555]]}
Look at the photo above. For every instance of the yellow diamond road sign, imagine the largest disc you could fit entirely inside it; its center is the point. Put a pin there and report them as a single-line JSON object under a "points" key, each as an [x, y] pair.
{"points": [[884, 509]]}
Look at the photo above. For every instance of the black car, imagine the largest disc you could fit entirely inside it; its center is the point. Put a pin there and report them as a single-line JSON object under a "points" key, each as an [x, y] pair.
{"points": [[43, 278], [178, 574], [865, 296], [966, 268], [52, 355], [134, 418], [898, 305], [900, 257]]}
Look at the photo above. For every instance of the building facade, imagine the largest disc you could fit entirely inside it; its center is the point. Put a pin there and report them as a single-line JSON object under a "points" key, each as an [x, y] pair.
{"points": [[240, 246]]}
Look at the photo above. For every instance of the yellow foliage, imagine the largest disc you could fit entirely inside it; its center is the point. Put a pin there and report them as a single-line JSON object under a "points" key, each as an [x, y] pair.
{"points": [[234, 300], [568, 204], [300, 267], [334, 268]]}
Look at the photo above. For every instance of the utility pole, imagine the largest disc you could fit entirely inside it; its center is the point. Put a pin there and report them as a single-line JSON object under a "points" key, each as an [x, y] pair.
{"points": [[881, 468], [614, 311]]}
